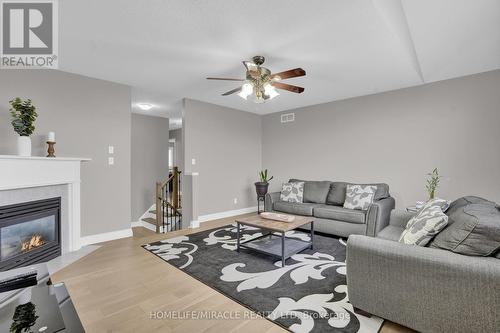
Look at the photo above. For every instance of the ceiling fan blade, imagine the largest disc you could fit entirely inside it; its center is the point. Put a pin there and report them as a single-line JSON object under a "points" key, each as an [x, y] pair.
{"points": [[289, 74], [288, 87], [232, 91], [224, 79]]}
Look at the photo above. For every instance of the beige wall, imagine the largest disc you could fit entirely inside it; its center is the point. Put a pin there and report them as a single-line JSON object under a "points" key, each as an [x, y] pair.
{"points": [[396, 137], [149, 160], [87, 115], [226, 144]]}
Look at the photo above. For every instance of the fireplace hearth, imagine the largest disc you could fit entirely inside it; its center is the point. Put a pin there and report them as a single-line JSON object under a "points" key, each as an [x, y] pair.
{"points": [[29, 233]]}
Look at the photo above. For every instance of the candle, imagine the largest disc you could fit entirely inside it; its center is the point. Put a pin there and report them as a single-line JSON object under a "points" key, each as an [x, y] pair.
{"points": [[51, 137]]}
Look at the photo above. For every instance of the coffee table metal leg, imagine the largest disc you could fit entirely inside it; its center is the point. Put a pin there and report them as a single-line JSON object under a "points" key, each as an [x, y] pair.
{"points": [[312, 235], [237, 236], [283, 249]]}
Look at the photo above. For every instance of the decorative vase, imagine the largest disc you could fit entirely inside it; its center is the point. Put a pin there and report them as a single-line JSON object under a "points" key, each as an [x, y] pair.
{"points": [[24, 146], [261, 188]]}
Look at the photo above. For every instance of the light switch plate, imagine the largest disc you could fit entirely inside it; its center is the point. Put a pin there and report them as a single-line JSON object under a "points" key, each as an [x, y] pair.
{"points": [[111, 160], [111, 149], [193, 161]]}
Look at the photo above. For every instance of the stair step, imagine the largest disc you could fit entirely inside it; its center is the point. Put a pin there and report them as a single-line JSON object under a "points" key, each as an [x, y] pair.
{"points": [[150, 220]]}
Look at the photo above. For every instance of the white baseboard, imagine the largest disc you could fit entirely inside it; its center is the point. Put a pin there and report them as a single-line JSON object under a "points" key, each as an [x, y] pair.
{"points": [[105, 237], [229, 213], [194, 224]]}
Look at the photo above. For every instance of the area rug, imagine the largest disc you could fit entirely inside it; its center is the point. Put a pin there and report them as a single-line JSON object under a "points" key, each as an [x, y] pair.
{"points": [[309, 294]]}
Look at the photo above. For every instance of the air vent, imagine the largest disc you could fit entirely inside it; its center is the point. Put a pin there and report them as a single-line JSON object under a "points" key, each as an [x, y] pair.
{"points": [[287, 117]]}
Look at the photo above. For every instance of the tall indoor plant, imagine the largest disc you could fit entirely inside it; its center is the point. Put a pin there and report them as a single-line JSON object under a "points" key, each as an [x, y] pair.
{"points": [[23, 114], [262, 186]]}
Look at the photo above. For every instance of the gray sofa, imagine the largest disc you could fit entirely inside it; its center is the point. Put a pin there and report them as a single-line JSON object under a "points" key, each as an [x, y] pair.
{"points": [[324, 200], [424, 288]]}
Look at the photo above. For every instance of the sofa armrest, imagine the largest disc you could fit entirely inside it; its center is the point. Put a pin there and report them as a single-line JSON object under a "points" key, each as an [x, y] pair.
{"points": [[426, 289], [377, 216], [270, 199], [400, 218]]}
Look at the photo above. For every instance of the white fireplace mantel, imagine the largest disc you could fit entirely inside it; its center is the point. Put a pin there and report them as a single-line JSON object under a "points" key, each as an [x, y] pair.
{"points": [[19, 172]]}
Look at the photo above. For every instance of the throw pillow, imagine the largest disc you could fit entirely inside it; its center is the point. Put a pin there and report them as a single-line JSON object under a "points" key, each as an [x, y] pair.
{"points": [[441, 203], [359, 196], [424, 226], [292, 192]]}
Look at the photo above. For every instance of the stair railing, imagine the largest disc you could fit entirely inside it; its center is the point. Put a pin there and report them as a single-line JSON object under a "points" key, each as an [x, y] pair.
{"points": [[168, 203]]}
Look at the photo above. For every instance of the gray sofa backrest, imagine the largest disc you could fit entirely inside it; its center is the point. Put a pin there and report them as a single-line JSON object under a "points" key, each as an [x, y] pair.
{"points": [[336, 196], [333, 193], [315, 191]]}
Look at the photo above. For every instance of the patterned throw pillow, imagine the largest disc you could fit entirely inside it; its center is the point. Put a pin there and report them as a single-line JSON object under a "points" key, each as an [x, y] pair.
{"points": [[359, 196], [292, 192], [429, 221], [441, 203]]}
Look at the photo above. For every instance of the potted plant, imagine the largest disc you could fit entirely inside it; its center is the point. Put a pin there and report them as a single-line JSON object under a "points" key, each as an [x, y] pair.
{"points": [[262, 186], [433, 183], [23, 117]]}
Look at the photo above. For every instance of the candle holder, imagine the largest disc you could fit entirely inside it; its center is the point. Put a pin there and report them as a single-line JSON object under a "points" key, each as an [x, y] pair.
{"points": [[51, 149]]}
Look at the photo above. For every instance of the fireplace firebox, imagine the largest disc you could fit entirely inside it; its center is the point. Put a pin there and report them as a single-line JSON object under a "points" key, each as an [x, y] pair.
{"points": [[30, 233]]}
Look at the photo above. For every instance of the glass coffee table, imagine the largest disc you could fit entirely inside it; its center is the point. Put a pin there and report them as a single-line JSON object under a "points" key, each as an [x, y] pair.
{"points": [[275, 242]]}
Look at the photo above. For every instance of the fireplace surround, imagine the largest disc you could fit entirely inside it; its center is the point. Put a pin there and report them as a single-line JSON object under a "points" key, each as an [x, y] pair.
{"points": [[30, 232], [24, 179]]}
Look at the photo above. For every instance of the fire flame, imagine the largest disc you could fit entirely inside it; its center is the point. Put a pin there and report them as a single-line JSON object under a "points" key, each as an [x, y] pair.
{"points": [[34, 242]]}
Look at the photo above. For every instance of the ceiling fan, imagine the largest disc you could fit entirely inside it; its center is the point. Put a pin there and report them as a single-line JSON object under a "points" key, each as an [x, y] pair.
{"points": [[261, 82]]}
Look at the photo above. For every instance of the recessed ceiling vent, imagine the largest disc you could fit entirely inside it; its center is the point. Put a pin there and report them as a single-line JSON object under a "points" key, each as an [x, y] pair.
{"points": [[287, 117]]}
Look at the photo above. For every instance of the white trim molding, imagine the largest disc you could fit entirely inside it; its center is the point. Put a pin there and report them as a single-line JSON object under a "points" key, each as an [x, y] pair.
{"points": [[106, 237], [221, 215]]}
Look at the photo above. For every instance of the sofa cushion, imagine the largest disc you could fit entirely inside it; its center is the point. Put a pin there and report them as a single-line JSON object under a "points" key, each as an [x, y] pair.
{"points": [[475, 230], [339, 214], [336, 195], [314, 191], [305, 209], [391, 232], [462, 202]]}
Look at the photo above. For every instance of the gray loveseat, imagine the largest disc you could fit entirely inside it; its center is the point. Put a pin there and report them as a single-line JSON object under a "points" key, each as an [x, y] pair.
{"points": [[424, 288], [325, 199]]}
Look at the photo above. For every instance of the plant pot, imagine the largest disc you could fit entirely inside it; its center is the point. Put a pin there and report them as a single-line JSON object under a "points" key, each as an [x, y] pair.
{"points": [[23, 146], [261, 188]]}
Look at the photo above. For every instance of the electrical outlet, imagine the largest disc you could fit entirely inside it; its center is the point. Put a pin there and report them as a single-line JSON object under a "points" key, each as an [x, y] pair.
{"points": [[111, 150], [235, 201], [111, 160], [193, 161]]}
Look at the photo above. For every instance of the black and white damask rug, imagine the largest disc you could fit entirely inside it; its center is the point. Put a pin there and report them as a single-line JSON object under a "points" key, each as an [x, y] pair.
{"points": [[309, 294]]}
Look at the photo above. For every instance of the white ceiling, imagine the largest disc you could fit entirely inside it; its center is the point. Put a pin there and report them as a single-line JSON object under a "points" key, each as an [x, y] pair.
{"points": [[165, 49]]}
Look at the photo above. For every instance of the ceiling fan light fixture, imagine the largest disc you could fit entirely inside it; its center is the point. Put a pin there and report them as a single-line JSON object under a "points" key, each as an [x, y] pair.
{"points": [[270, 91], [261, 83], [246, 90]]}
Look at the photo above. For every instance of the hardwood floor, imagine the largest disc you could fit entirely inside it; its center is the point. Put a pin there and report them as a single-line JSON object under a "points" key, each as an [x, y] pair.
{"points": [[118, 287]]}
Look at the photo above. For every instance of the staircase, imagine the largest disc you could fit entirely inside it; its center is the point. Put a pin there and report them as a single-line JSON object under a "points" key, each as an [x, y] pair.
{"points": [[166, 214]]}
